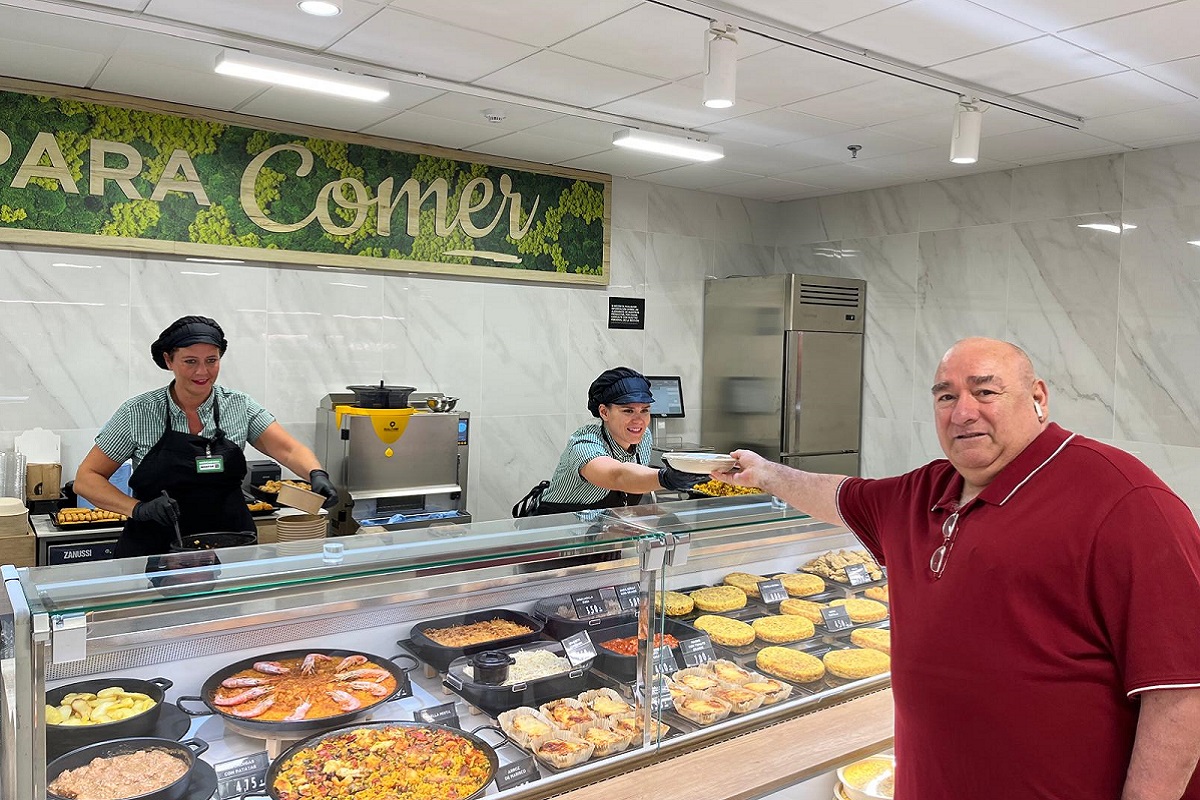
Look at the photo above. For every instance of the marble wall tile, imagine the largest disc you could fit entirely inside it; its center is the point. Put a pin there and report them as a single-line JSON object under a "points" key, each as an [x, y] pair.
{"points": [[733, 258], [630, 204], [682, 212], [876, 212], [1158, 383], [885, 447], [923, 446], [627, 259], [983, 199], [673, 260], [674, 342], [64, 338], [1178, 467], [801, 222], [1062, 309], [524, 349], [742, 220], [509, 455], [815, 258], [1166, 176], [593, 347], [1068, 188]]}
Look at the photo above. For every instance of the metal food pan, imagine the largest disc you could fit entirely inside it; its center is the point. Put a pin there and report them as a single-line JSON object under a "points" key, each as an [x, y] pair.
{"points": [[439, 656]]}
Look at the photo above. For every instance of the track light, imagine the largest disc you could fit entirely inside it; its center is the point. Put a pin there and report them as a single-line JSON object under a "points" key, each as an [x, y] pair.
{"points": [[720, 73], [301, 76], [968, 125], [666, 145]]}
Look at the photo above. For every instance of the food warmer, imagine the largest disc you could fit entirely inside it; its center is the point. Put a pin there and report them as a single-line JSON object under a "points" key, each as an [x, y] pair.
{"points": [[107, 620]]}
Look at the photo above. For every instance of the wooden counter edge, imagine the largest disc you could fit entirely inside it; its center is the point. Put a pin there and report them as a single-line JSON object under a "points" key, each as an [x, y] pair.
{"points": [[760, 762]]}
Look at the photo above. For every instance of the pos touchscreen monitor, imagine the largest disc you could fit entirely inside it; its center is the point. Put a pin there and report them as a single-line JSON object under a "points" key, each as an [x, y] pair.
{"points": [[668, 395]]}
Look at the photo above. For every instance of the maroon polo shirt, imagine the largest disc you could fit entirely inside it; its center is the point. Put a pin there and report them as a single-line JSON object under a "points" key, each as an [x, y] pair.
{"points": [[1073, 583]]}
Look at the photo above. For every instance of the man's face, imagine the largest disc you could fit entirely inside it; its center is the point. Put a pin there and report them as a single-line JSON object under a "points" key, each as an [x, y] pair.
{"points": [[983, 404]]}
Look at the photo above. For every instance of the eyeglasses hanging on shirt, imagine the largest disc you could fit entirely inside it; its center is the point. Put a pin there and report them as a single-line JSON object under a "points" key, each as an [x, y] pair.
{"points": [[937, 562]]}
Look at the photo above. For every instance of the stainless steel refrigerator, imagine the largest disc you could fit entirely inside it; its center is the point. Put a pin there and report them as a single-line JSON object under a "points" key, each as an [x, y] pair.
{"points": [[783, 369]]}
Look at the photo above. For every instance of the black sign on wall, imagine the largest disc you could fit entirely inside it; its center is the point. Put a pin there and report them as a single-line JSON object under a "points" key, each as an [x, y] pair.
{"points": [[627, 313]]}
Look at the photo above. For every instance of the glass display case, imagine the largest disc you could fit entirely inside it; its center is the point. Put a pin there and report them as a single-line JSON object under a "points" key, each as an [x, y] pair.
{"points": [[531, 643]]}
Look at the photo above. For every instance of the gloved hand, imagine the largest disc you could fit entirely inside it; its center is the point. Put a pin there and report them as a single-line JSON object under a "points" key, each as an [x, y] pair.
{"points": [[673, 479], [321, 484], [160, 511]]}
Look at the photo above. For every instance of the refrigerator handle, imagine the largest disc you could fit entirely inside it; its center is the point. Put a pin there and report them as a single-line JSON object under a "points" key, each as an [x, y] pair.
{"points": [[791, 389]]}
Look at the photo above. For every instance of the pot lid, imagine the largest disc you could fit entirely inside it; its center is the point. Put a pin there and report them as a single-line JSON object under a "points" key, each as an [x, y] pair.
{"points": [[492, 658]]}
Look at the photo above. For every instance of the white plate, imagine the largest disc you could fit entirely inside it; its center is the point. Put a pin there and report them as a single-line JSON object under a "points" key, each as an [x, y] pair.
{"points": [[700, 463]]}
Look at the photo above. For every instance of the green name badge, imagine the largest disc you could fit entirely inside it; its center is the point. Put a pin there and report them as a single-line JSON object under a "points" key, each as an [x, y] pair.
{"points": [[206, 464]]}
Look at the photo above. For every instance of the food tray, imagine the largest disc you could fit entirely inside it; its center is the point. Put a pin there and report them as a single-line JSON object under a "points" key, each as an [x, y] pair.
{"points": [[754, 606], [496, 699], [816, 649], [674, 729], [750, 650], [85, 526], [846, 589], [439, 657], [266, 512], [560, 626], [624, 668]]}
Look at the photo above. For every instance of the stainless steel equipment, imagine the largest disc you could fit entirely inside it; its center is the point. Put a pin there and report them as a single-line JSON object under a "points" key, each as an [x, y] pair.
{"points": [[783, 366], [403, 466]]}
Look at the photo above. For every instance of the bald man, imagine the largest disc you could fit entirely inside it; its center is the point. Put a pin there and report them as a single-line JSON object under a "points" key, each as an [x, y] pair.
{"points": [[1045, 598]]}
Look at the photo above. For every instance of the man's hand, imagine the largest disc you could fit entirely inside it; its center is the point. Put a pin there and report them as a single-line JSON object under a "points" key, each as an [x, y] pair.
{"points": [[813, 493]]}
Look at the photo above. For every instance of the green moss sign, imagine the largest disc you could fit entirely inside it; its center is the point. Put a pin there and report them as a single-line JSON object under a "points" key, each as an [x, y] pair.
{"points": [[81, 174]]}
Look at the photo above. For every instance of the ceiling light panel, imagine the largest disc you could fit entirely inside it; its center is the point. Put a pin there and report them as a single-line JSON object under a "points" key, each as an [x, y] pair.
{"points": [[301, 76], [320, 8], [666, 145]]}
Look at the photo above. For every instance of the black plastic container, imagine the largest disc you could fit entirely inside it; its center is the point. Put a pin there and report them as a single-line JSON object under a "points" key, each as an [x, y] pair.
{"points": [[382, 396], [64, 738], [624, 668], [561, 622], [491, 667], [187, 751], [496, 699], [439, 656]]}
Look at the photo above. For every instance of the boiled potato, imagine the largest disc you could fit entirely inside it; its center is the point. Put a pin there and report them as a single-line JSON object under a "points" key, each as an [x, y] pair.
{"points": [[110, 704]]}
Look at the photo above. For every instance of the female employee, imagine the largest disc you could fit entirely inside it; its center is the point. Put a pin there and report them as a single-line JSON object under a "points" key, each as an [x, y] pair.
{"points": [[604, 465], [186, 442]]}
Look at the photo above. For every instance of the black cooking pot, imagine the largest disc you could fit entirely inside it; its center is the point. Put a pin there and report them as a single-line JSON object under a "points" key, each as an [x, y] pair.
{"points": [[186, 751], [382, 396], [283, 728], [211, 541], [491, 667], [62, 738]]}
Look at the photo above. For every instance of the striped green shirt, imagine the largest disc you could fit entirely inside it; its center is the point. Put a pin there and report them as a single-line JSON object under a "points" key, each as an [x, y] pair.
{"points": [[587, 443], [138, 423]]}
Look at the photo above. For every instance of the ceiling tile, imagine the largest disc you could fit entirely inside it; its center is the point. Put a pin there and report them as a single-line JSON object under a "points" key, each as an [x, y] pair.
{"points": [[844, 177], [935, 128], [770, 77], [834, 148], [748, 158], [771, 189], [528, 21], [468, 108], [811, 17], [1062, 14], [626, 163], [578, 129], [123, 5], [1112, 94], [881, 100], [172, 51], [1040, 143], [416, 44], [774, 126], [925, 32], [275, 20], [930, 164], [1139, 127], [1035, 64], [676, 104], [414, 127], [57, 31], [1147, 37], [1183, 74], [696, 176], [554, 76], [293, 105], [143, 79], [36, 62], [538, 149]]}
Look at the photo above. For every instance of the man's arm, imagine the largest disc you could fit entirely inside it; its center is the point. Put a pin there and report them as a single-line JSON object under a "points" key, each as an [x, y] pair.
{"points": [[813, 493], [1167, 746]]}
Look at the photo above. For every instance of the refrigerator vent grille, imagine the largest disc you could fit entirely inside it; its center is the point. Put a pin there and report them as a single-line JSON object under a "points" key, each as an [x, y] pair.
{"points": [[816, 294]]}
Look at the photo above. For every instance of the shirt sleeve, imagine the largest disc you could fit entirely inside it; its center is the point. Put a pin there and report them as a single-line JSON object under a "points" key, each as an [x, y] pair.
{"points": [[864, 504], [115, 439], [1145, 581], [258, 419], [583, 449]]}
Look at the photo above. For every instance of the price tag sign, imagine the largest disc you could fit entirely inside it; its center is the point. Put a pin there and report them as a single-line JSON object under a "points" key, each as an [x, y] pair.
{"points": [[628, 596], [660, 696], [588, 604], [664, 661], [772, 591], [520, 771], [579, 648], [444, 714], [837, 618], [857, 574], [240, 775], [403, 686], [697, 651]]}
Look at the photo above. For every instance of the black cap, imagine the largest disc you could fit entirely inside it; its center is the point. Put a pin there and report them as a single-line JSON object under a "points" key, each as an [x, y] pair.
{"points": [[618, 385], [187, 331]]}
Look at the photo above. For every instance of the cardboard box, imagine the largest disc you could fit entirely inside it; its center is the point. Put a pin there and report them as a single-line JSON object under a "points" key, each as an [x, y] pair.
{"points": [[43, 481], [18, 545]]}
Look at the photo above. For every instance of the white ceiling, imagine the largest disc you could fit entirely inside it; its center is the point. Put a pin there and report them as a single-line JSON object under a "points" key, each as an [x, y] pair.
{"points": [[566, 72]]}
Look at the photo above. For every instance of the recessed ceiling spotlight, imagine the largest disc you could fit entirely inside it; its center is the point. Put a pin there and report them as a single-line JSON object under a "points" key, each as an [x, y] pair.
{"points": [[320, 8]]}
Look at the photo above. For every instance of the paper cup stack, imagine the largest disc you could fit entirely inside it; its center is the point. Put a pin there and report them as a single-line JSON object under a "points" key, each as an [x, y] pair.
{"points": [[299, 534]]}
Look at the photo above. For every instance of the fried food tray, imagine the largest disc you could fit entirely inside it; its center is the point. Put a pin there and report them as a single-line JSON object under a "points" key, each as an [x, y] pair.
{"points": [[85, 526]]}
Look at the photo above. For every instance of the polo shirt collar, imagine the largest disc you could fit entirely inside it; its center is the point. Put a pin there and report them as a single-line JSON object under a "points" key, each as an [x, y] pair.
{"points": [[1035, 455], [206, 406]]}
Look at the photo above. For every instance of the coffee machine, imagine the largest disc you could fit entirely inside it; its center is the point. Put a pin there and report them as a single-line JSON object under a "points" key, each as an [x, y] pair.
{"points": [[401, 456]]}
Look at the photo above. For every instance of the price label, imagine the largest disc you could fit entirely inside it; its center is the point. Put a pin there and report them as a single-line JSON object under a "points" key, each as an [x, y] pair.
{"points": [[857, 574], [664, 661], [520, 771], [589, 604], [241, 775], [697, 651], [444, 714], [660, 696], [837, 618], [629, 596], [772, 591], [403, 686], [579, 648]]}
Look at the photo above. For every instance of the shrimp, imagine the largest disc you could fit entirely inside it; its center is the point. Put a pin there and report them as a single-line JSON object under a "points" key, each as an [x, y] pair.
{"points": [[244, 683], [244, 697], [345, 701], [350, 661], [368, 687], [310, 662], [271, 668], [300, 712], [256, 710], [376, 675]]}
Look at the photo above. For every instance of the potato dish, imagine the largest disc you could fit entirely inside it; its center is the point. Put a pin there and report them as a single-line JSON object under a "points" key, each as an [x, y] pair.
{"points": [[107, 705], [74, 516]]}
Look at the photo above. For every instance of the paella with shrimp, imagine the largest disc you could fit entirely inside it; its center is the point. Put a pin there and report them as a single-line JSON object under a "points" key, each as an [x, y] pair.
{"points": [[310, 687]]}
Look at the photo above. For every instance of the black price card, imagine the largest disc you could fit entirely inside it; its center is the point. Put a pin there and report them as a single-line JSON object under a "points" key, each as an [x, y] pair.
{"points": [[857, 574], [238, 776], [588, 604], [522, 770], [660, 696], [664, 661], [444, 714], [697, 651], [772, 591], [579, 648], [837, 618], [629, 596]]}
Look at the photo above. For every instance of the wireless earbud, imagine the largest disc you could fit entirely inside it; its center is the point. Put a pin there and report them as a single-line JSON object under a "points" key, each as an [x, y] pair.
{"points": [[1038, 408]]}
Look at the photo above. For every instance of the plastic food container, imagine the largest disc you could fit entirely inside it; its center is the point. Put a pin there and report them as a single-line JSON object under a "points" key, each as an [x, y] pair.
{"points": [[491, 667], [494, 699], [561, 622], [624, 668], [872, 778]]}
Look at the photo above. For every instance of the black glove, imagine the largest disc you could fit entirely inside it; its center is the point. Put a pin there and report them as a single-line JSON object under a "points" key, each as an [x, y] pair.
{"points": [[673, 479], [321, 484], [160, 511]]}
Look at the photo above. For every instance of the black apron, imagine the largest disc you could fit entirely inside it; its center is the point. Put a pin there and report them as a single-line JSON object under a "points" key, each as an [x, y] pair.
{"points": [[534, 506], [208, 501]]}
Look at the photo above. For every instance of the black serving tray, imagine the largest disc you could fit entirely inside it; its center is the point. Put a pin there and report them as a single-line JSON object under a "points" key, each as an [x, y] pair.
{"points": [[87, 526], [493, 700], [440, 657], [560, 626], [624, 668]]}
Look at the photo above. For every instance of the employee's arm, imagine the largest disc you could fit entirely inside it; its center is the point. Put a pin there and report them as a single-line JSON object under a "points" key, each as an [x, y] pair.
{"points": [[1167, 746], [280, 445], [621, 476], [813, 493], [91, 483]]}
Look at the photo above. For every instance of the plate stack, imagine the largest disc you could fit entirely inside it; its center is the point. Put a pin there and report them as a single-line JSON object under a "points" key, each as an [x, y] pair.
{"points": [[299, 534]]}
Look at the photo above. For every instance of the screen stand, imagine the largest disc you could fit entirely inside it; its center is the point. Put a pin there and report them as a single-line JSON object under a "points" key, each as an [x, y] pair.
{"points": [[661, 440]]}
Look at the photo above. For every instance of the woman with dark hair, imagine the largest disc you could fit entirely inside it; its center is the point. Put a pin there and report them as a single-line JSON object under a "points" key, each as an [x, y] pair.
{"points": [[186, 443], [604, 464]]}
